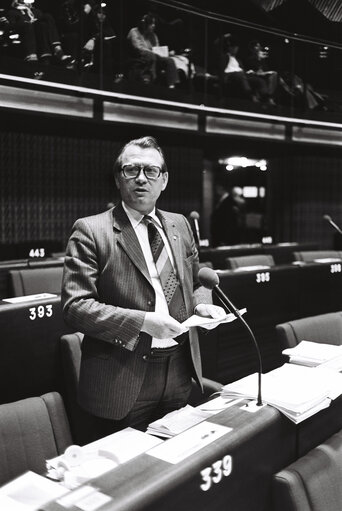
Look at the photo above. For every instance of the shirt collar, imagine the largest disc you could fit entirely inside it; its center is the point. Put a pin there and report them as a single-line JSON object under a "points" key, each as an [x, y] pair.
{"points": [[135, 216]]}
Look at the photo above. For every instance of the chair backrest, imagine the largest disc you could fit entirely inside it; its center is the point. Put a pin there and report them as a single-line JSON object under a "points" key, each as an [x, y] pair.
{"points": [[325, 328], [249, 260], [82, 424], [32, 281], [31, 431], [313, 482], [308, 256]]}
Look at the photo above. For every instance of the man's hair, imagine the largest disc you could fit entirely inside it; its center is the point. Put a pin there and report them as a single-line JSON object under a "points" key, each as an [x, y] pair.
{"points": [[143, 143]]}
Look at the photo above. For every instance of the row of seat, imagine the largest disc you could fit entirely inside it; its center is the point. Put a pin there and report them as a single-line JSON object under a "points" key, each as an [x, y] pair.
{"points": [[268, 260], [38, 280]]}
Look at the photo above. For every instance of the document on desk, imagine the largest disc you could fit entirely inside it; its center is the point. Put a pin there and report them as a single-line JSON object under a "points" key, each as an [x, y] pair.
{"points": [[315, 353], [297, 391], [177, 421], [201, 321], [29, 298], [29, 492], [189, 442]]}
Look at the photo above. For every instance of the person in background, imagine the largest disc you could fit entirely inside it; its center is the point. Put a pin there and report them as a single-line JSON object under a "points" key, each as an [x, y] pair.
{"points": [[234, 79], [130, 280], [257, 68], [38, 33], [227, 219], [144, 59]]}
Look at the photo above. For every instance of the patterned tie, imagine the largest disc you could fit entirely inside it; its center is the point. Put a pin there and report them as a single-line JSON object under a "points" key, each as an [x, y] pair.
{"points": [[170, 284]]}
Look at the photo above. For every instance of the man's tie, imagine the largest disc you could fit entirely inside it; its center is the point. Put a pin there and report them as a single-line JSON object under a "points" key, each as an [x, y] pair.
{"points": [[169, 281]]}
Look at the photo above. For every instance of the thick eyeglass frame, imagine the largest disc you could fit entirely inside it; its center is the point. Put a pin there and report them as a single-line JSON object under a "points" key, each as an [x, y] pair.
{"points": [[138, 168]]}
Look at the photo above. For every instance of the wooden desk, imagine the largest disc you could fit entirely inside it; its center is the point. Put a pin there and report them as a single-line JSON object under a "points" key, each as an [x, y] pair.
{"points": [[259, 444], [30, 362], [271, 296]]}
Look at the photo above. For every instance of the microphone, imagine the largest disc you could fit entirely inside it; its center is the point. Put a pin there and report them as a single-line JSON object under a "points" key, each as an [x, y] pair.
{"points": [[194, 215], [331, 222], [210, 280]]}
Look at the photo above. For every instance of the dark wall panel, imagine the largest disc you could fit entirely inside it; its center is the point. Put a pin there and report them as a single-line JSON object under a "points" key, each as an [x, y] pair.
{"points": [[303, 188], [47, 181]]}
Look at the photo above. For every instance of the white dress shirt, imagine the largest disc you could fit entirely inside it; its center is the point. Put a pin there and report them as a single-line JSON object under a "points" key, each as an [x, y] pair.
{"points": [[140, 229]]}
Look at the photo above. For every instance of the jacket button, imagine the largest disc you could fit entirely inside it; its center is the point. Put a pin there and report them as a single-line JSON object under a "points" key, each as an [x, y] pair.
{"points": [[145, 357]]}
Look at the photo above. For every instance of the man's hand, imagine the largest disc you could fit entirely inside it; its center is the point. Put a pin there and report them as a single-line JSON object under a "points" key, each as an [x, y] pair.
{"points": [[162, 326], [208, 310]]}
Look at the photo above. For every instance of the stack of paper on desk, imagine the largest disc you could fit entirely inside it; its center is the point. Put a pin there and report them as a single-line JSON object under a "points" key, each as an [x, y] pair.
{"points": [[180, 420], [297, 391], [314, 353], [176, 422]]}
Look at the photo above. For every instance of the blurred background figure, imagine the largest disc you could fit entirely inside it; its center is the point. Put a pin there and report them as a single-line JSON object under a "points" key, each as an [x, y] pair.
{"points": [[228, 217], [147, 59], [86, 33], [38, 33], [234, 80], [257, 68]]}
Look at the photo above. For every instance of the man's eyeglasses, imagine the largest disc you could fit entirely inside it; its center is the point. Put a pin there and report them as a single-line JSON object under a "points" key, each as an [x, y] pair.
{"points": [[132, 171]]}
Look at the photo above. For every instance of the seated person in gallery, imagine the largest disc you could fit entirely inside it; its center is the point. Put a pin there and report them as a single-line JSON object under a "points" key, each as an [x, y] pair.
{"points": [[38, 33], [234, 79], [257, 68], [146, 57]]}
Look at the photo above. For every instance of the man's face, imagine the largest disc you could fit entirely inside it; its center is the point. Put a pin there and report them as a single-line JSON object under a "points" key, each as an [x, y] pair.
{"points": [[141, 193]]}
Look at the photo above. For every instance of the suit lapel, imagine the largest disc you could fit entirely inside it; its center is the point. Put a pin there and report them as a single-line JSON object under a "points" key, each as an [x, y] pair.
{"points": [[174, 238], [128, 240]]}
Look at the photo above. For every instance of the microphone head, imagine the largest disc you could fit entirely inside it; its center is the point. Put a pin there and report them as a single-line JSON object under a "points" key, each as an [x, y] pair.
{"points": [[208, 278], [194, 215], [327, 217]]}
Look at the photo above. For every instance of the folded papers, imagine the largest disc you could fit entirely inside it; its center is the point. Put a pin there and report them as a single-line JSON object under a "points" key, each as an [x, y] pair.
{"points": [[29, 492], [180, 420], [201, 321], [315, 353], [297, 391]]}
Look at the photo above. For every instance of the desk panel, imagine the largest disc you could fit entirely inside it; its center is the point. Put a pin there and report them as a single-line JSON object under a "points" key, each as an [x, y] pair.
{"points": [[271, 297], [260, 444], [30, 348], [320, 287]]}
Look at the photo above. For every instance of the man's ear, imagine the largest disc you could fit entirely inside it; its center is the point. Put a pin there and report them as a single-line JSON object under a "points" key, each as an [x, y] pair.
{"points": [[165, 176], [116, 179]]}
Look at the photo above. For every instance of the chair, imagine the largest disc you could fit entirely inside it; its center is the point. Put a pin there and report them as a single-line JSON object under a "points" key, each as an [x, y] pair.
{"points": [[308, 256], [250, 260], [325, 328], [81, 422], [32, 281], [31, 431], [313, 482]]}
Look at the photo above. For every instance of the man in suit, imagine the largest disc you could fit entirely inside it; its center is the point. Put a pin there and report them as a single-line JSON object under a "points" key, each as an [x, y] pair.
{"points": [[129, 282]]}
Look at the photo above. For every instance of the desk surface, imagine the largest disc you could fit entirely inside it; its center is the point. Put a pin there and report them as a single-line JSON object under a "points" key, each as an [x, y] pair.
{"points": [[259, 444]]}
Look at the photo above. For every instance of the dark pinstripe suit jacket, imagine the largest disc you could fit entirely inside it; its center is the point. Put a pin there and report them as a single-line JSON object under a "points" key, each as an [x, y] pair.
{"points": [[106, 288]]}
